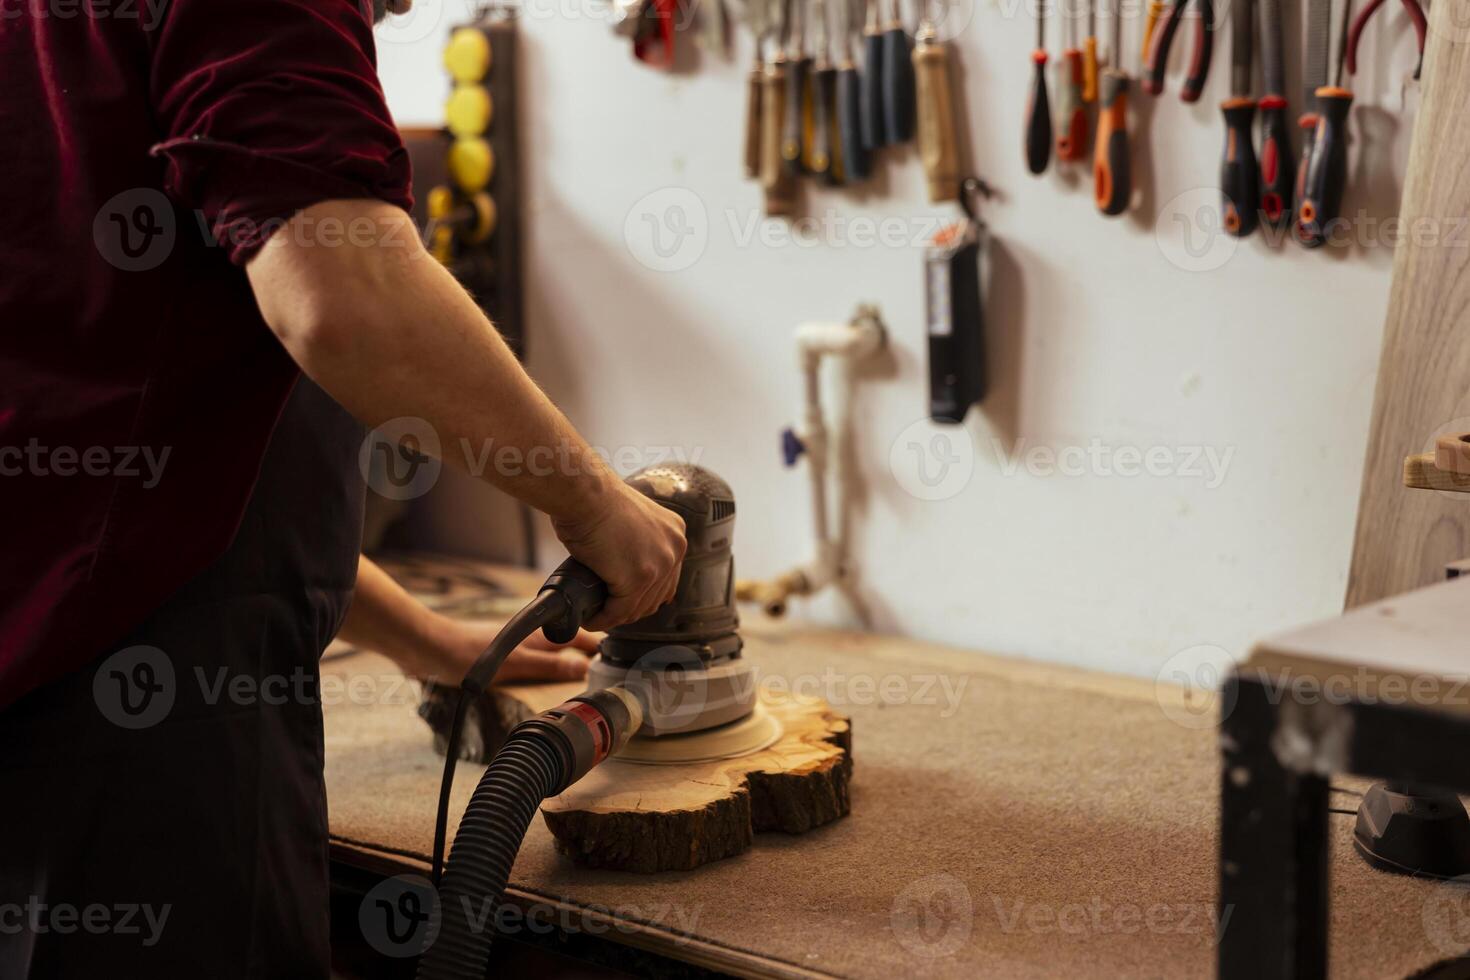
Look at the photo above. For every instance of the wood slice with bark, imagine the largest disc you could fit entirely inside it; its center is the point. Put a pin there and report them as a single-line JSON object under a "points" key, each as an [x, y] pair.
{"points": [[647, 818]]}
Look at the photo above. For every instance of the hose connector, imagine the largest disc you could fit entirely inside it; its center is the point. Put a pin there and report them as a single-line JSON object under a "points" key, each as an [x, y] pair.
{"points": [[588, 728]]}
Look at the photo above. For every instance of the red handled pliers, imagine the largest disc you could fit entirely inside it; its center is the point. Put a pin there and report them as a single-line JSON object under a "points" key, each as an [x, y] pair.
{"points": [[1416, 16], [1157, 56]]}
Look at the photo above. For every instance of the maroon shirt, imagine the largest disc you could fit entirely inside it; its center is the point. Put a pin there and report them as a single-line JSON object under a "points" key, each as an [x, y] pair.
{"points": [[138, 383]]}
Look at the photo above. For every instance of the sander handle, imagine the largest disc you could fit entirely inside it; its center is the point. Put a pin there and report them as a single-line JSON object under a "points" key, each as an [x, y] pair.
{"points": [[582, 593]]}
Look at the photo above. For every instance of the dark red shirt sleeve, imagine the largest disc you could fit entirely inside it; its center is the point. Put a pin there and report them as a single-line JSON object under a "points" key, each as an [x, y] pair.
{"points": [[269, 107]]}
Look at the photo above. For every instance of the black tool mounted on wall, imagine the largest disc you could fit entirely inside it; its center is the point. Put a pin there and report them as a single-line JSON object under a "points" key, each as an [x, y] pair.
{"points": [[955, 311]]}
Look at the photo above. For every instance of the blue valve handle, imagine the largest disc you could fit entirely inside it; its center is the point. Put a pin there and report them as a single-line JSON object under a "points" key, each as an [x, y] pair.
{"points": [[792, 447]]}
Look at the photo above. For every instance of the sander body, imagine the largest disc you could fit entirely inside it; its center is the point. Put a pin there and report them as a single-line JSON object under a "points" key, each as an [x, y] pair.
{"points": [[685, 662]]}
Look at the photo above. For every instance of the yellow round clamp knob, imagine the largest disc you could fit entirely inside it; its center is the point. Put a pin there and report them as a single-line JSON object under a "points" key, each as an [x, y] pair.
{"points": [[467, 56], [439, 202], [441, 246], [485, 215], [469, 110], [471, 164]]}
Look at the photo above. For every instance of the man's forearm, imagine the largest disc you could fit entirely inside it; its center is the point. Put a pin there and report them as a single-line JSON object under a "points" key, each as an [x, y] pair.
{"points": [[388, 332], [385, 618]]}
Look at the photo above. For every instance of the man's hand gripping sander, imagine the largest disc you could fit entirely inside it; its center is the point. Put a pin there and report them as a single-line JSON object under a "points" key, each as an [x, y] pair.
{"points": [[671, 688]]}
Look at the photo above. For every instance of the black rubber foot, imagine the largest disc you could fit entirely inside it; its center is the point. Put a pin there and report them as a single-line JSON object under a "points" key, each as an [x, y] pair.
{"points": [[1422, 834]]}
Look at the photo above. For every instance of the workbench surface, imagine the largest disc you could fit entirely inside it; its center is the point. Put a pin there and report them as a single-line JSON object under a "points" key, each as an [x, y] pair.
{"points": [[1008, 819]]}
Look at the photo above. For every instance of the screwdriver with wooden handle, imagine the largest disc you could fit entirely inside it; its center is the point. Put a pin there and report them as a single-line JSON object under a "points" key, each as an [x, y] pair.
{"points": [[898, 80], [1071, 110], [939, 144], [856, 161], [777, 180], [1038, 107], [1112, 181], [757, 15], [798, 82]]}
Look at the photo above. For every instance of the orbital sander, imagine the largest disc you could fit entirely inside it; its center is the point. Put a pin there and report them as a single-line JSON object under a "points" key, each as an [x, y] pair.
{"points": [[669, 689], [684, 662]]}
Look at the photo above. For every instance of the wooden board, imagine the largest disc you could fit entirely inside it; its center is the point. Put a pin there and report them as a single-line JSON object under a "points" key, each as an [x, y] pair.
{"points": [[1404, 538], [648, 818], [1409, 649]]}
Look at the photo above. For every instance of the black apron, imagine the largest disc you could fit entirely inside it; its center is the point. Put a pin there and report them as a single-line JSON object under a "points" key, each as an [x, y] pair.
{"points": [[163, 812]]}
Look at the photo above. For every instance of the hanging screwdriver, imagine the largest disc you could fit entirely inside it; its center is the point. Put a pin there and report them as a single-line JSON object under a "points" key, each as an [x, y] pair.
{"points": [[875, 127], [1089, 56], [1327, 170], [757, 14], [1071, 110], [1150, 23], [1278, 168], [1112, 180], [823, 106], [855, 159], [777, 180], [1239, 178], [939, 144], [1318, 43], [898, 78], [1038, 107], [798, 86]]}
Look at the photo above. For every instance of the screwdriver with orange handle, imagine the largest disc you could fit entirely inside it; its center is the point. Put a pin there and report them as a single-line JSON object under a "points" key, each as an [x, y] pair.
{"points": [[1327, 170], [1089, 56], [1317, 42], [1071, 110], [1038, 106], [1278, 169], [1240, 198], [1112, 180], [1150, 22]]}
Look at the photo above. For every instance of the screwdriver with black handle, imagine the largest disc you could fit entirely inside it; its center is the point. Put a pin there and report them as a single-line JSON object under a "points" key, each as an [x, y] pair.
{"points": [[1318, 41], [874, 125], [1327, 170], [856, 161], [1112, 178], [758, 16], [1278, 167], [1038, 106], [898, 80], [1239, 177]]}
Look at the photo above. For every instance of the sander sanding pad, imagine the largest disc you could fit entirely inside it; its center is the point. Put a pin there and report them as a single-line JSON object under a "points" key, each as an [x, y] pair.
{"points": [[757, 730]]}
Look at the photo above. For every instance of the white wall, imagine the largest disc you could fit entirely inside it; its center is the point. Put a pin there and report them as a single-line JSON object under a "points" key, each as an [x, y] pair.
{"points": [[1105, 332]]}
